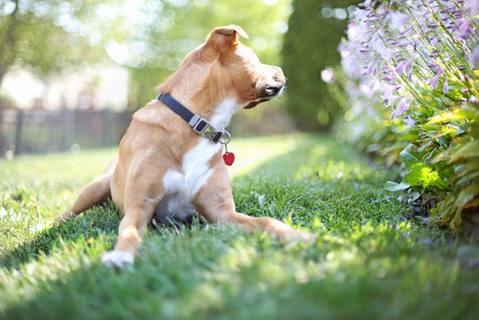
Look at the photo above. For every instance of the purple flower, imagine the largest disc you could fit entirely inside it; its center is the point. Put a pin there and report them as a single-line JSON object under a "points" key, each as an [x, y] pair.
{"points": [[374, 39], [397, 20], [451, 27], [388, 89], [373, 66], [392, 99], [473, 5], [408, 66], [433, 81], [399, 68], [401, 108], [474, 56], [381, 49], [472, 99], [446, 86], [465, 25], [409, 62], [409, 75], [409, 122], [429, 157]]}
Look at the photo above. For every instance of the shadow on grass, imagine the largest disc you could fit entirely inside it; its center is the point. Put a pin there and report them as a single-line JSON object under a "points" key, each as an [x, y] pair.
{"points": [[90, 224], [307, 152], [307, 155]]}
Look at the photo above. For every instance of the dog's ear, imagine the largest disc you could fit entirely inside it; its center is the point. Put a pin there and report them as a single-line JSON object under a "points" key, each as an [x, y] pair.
{"points": [[223, 38]]}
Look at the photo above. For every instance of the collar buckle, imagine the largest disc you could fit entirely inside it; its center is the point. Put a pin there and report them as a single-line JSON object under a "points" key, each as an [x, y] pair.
{"points": [[199, 124], [203, 127], [214, 134]]}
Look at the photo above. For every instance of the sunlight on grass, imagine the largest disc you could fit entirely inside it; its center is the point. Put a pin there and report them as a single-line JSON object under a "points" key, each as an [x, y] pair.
{"points": [[56, 167], [372, 258], [252, 153]]}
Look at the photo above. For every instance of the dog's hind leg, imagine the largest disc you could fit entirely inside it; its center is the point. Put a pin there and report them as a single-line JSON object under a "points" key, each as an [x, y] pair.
{"points": [[95, 193]]}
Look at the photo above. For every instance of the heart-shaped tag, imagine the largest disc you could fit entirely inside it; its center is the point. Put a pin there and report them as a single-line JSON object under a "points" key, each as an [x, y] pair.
{"points": [[229, 158]]}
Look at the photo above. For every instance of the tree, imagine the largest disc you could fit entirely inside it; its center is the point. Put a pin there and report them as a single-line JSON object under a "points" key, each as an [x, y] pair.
{"points": [[165, 31], [48, 37], [150, 37], [310, 45]]}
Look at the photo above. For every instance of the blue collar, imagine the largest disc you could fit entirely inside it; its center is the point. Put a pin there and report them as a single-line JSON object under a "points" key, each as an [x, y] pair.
{"points": [[199, 125]]}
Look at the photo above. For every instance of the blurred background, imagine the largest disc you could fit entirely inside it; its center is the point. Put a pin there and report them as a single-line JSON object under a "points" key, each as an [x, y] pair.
{"points": [[72, 72]]}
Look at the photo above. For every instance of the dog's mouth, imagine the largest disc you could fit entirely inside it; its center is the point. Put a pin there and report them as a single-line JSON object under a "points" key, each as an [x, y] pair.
{"points": [[254, 103]]}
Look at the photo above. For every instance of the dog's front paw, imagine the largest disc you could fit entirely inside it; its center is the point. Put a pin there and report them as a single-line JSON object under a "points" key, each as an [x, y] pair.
{"points": [[117, 258]]}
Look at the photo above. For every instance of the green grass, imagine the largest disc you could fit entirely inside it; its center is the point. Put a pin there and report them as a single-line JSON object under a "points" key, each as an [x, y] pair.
{"points": [[371, 260]]}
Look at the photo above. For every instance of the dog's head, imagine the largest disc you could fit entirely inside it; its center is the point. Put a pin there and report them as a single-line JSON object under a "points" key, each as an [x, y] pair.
{"points": [[224, 70], [240, 66]]}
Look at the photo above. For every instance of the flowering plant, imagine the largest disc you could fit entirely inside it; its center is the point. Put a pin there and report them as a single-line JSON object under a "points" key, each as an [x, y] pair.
{"points": [[412, 82]]}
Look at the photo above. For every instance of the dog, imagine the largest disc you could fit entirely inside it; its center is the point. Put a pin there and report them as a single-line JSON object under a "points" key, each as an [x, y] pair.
{"points": [[170, 164]]}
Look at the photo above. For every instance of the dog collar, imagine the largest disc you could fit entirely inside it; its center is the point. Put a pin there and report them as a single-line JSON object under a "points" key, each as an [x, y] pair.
{"points": [[199, 125]]}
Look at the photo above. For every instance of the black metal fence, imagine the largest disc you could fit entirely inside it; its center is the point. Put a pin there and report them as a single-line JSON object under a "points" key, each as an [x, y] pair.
{"points": [[44, 131], [52, 131]]}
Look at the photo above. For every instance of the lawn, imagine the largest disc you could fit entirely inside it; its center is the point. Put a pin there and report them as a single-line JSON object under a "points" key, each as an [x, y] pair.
{"points": [[374, 258]]}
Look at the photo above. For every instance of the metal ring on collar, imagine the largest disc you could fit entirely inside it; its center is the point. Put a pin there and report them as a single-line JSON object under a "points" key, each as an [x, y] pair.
{"points": [[229, 138]]}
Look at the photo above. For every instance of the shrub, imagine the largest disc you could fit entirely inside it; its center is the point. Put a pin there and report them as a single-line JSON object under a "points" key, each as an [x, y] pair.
{"points": [[412, 81], [314, 29]]}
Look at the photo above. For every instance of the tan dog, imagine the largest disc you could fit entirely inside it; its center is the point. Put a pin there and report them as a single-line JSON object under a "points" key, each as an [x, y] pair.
{"points": [[166, 169]]}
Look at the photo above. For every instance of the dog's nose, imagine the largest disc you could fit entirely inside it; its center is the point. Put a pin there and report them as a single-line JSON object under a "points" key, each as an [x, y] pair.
{"points": [[272, 90], [273, 82]]}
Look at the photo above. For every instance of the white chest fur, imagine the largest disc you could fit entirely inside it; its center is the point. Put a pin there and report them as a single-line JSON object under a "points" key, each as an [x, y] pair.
{"points": [[224, 111], [182, 188]]}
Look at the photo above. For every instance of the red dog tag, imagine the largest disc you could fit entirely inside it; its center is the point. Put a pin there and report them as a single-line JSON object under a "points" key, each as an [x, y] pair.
{"points": [[229, 158]]}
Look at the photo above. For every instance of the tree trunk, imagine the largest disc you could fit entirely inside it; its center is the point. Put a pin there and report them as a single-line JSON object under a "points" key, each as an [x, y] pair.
{"points": [[3, 70], [7, 54]]}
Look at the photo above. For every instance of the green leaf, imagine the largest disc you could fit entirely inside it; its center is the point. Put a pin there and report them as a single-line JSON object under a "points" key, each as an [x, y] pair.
{"points": [[456, 114], [459, 132], [467, 195], [470, 150], [470, 167], [410, 156], [415, 196], [419, 172], [424, 175], [468, 177], [442, 141], [393, 186], [444, 169]]}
